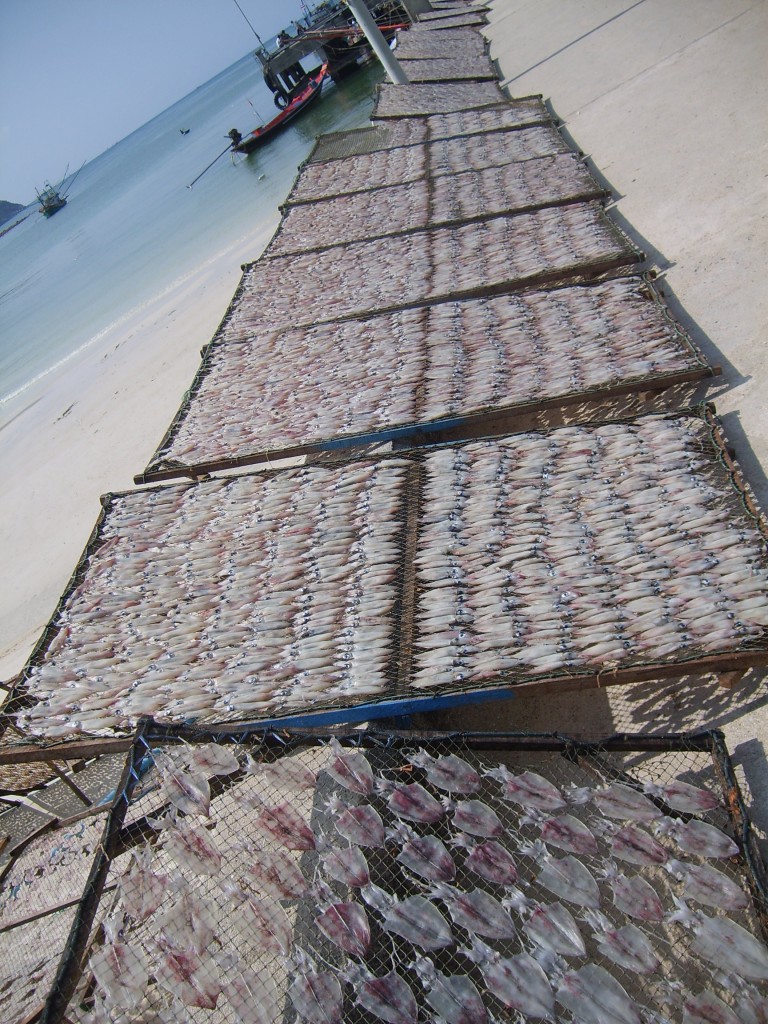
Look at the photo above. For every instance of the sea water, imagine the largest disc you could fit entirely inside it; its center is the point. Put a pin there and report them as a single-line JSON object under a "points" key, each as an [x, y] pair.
{"points": [[132, 228]]}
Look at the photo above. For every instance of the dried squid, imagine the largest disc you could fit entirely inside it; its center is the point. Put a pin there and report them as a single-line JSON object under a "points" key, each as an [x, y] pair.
{"points": [[119, 969], [595, 997], [453, 997], [390, 998]]}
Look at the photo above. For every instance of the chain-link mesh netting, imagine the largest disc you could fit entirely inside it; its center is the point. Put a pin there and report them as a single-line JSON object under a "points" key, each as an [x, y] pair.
{"points": [[393, 877]]}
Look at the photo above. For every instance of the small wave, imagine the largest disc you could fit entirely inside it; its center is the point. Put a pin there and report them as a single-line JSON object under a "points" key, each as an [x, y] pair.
{"points": [[115, 325], [4, 399]]}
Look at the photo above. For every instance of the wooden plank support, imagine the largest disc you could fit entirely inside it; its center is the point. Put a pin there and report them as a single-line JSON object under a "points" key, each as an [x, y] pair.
{"points": [[729, 680], [29, 752], [81, 796], [33, 1016], [729, 462], [17, 922], [71, 964]]}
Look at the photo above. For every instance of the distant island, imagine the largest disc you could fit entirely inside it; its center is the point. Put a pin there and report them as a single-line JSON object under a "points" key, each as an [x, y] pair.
{"points": [[8, 210]]}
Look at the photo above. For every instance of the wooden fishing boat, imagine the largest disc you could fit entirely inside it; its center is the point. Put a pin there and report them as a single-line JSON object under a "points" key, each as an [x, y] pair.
{"points": [[306, 94], [328, 33], [50, 200]]}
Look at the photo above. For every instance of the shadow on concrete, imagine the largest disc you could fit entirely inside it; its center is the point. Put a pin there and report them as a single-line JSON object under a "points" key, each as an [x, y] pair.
{"points": [[748, 461], [751, 766], [657, 263], [573, 42], [732, 377]]}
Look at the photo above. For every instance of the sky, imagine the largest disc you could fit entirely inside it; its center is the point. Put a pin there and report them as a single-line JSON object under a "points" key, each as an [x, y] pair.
{"points": [[76, 76]]}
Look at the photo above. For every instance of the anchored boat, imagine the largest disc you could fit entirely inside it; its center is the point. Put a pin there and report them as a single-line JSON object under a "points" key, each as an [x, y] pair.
{"points": [[51, 200], [328, 32], [306, 92]]}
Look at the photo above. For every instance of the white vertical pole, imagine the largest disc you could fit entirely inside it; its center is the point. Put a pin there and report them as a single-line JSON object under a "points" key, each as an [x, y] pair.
{"points": [[378, 43]]}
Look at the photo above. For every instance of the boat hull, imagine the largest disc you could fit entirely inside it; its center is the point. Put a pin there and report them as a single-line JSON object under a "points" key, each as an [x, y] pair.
{"points": [[49, 209], [299, 103]]}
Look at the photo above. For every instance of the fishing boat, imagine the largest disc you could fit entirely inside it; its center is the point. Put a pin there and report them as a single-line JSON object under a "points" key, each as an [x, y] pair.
{"points": [[51, 200], [329, 33], [306, 92]]}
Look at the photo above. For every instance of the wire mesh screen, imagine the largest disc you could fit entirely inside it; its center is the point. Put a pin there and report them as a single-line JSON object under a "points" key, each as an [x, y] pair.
{"points": [[455, 360], [493, 149], [360, 173], [450, 20], [421, 100], [608, 567], [450, 42], [31, 954], [410, 163], [448, 69], [398, 877], [223, 597], [41, 883], [438, 15], [481, 258], [340, 145], [515, 114], [531, 560], [430, 202]]}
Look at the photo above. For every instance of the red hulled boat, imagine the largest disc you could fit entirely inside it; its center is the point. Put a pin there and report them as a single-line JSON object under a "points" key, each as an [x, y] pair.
{"points": [[305, 95]]}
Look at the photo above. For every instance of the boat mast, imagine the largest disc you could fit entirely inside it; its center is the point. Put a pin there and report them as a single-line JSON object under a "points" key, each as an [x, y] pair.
{"points": [[250, 26], [261, 50]]}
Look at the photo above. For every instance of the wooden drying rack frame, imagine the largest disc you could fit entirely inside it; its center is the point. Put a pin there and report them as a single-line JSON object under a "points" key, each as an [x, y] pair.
{"points": [[402, 700]]}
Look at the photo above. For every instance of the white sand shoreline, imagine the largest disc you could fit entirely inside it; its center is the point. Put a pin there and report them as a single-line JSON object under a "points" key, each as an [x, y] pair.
{"points": [[89, 428]]}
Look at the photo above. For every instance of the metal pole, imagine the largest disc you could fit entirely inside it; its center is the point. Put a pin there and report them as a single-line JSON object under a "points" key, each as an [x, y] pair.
{"points": [[378, 43]]}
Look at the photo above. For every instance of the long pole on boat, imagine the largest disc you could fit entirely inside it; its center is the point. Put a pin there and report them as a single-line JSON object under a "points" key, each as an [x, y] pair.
{"points": [[250, 26], [392, 65], [210, 165]]}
